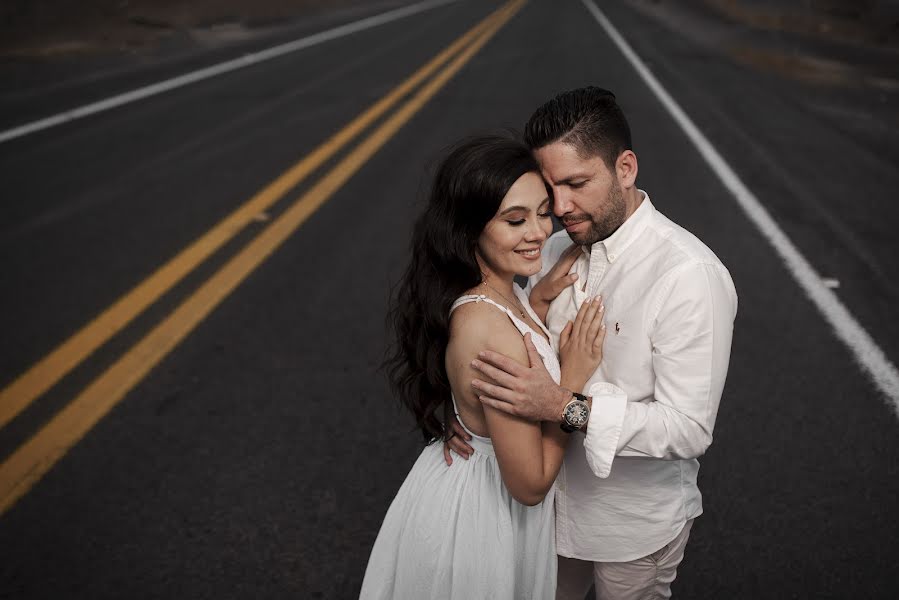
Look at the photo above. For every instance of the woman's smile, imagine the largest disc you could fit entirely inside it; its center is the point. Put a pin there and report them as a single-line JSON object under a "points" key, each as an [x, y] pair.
{"points": [[530, 253]]}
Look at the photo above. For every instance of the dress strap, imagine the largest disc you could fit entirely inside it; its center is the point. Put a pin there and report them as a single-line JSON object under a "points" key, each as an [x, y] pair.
{"points": [[477, 441], [479, 298]]}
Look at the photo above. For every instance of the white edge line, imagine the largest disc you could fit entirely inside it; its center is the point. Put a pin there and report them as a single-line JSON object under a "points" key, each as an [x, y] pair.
{"points": [[865, 350], [207, 72]]}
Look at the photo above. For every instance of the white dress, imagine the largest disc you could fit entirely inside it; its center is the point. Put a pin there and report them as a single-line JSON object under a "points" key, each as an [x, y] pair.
{"points": [[456, 532]]}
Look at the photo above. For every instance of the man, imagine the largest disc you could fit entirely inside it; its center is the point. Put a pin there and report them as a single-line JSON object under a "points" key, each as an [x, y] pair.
{"points": [[626, 496]]}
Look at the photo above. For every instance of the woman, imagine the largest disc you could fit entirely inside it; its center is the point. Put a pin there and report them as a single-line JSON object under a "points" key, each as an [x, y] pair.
{"points": [[481, 528]]}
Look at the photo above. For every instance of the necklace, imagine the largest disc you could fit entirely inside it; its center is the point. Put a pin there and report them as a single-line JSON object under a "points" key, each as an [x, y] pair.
{"points": [[517, 305]]}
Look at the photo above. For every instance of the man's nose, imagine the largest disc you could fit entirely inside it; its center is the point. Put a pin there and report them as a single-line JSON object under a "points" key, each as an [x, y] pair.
{"points": [[561, 202]]}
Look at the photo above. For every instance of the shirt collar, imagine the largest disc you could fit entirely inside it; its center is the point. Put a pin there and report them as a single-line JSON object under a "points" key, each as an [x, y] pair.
{"points": [[617, 243]]}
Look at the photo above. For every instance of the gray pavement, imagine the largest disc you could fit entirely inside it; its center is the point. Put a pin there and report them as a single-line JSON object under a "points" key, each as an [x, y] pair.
{"points": [[258, 459]]}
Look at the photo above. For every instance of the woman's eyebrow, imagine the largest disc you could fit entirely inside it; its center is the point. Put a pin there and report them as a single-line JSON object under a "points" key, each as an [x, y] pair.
{"points": [[513, 208], [524, 208]]}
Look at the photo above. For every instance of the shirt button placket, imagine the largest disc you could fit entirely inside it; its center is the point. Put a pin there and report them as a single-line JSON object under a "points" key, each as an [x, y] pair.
{"points": [[597, 269]]}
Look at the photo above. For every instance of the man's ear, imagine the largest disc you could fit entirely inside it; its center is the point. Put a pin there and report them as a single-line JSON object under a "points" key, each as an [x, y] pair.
{"points": [[626, 169]]}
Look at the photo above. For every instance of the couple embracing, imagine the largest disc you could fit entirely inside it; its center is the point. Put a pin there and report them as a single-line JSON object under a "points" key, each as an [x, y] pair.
{"points": [[579, 404]]}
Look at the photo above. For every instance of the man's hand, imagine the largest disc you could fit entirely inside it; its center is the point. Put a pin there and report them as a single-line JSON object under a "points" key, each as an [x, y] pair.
{"points": [[455, 440], [526, 392], [557, 279]]}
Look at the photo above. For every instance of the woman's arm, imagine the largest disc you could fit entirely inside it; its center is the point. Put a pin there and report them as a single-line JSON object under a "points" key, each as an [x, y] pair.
{"points": [[529, 453], [528, 460]]}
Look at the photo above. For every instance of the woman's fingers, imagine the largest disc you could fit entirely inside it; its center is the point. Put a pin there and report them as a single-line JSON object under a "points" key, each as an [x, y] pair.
{"points": [[568, 258], [585, 316], [558, 277], [579, 319], [554, 283], [592, 313], [561, 277], [593, 326], [598, 340], [558, 285]]}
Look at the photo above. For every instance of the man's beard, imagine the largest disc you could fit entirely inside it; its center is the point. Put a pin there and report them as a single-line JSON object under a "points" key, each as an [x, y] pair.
{"points": [[601, 225]]}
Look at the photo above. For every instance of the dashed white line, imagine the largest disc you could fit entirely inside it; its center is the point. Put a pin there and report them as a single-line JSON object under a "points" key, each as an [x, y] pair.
{"points": [[218, 69], [864, 349]]}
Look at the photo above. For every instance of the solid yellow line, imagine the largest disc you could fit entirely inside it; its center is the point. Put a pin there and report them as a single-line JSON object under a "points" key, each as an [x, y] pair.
{"points": [[43, 375], [28, 464]]}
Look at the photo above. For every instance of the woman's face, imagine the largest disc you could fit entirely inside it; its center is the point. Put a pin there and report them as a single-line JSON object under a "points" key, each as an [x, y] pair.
{"points": [[512, 241]]}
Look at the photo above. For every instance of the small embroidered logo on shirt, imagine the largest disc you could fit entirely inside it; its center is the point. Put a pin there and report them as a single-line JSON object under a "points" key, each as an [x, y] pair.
{"points": [[617, 329]]}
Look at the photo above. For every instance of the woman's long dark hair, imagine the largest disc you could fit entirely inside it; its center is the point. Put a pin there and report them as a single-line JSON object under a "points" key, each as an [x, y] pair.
{"points": [[467, 191]]}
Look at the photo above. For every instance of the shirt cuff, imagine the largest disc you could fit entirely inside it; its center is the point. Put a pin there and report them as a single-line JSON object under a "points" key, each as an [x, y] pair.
{"points": [[604, 428]]}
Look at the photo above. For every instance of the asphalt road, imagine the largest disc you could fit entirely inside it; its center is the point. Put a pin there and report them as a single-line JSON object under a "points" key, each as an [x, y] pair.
{"points": [[257, 459]]}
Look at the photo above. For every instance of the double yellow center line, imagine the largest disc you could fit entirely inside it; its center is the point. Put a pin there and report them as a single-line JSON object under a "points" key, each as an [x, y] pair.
{"points": [[27, 464]]}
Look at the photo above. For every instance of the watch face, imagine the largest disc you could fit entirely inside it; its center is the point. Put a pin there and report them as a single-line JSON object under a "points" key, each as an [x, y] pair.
{"points": [[576, 413]]}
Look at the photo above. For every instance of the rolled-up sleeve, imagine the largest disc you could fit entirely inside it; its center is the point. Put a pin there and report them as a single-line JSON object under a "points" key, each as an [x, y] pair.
{"points": [[690, 333], [604, 430]]}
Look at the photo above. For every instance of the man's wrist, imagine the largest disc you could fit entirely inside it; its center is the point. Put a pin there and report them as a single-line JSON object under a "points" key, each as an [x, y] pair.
{"points": [[564, 396]]}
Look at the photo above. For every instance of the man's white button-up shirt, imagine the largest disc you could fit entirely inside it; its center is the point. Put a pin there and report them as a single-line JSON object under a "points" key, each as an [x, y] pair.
{"points": [[628, 485]]}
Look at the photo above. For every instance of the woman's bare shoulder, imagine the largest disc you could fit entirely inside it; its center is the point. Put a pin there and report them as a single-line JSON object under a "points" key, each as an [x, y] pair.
{"points": [[478, 326], [475, 327]]}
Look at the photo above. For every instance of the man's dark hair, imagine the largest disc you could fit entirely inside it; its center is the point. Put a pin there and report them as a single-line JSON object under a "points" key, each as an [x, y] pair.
{"points": [[587, 118]]}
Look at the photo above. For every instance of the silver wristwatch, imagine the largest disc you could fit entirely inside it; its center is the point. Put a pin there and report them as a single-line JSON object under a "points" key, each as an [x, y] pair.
{"points": [[575, 414]]}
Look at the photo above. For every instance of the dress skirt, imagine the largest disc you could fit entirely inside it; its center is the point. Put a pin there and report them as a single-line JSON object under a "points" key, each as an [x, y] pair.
{"points": [[455, 533]]}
